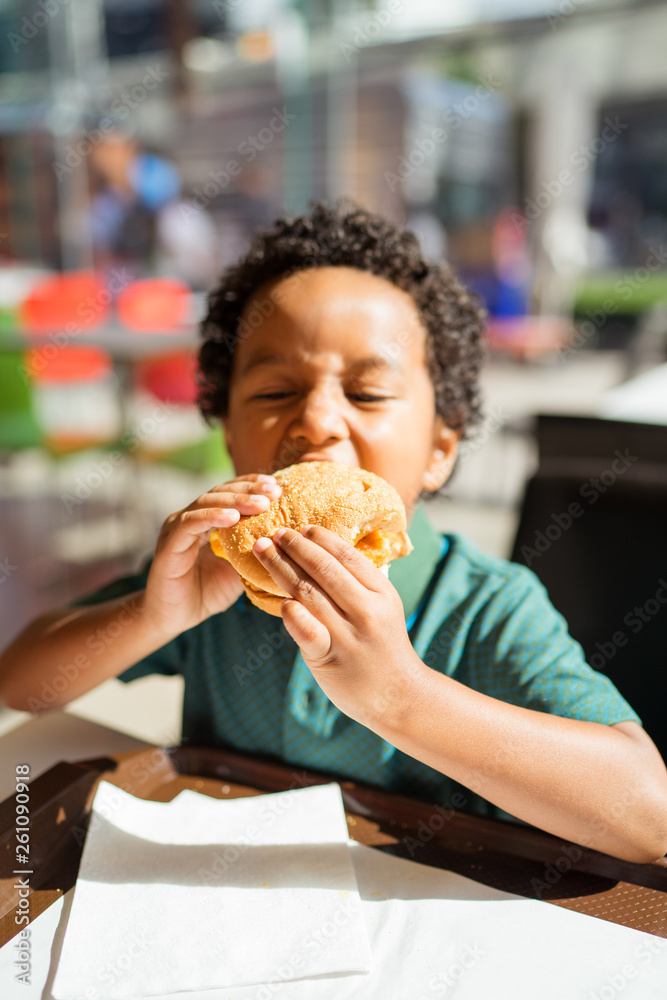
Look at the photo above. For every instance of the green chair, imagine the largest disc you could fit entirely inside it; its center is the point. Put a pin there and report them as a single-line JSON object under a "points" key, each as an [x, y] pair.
{"points": [[19, 428]]}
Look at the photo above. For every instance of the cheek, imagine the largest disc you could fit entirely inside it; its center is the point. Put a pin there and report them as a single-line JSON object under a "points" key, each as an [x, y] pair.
{"points": [[398, 445]]}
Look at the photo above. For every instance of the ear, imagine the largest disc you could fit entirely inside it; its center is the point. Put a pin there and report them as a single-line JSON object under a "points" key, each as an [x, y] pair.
{"points": [[443, 456]]}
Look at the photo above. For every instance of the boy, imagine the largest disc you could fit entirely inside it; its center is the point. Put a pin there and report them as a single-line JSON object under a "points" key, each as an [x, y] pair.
{"points": [[455, 679]]}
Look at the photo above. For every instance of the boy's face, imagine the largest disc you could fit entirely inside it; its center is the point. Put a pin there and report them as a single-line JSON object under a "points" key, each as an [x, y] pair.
{"points": [[331, 364]]}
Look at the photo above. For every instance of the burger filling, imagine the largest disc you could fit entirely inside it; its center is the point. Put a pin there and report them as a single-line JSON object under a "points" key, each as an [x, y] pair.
{"points": [[216, 546], [382, 546]]}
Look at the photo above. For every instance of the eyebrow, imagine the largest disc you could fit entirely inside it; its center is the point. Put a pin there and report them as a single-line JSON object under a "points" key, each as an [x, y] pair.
{"points": [[376, 361], [263, 359]]}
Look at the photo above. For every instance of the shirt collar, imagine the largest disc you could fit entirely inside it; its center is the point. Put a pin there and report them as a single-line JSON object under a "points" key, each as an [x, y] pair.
{"points": [[411, 574]]}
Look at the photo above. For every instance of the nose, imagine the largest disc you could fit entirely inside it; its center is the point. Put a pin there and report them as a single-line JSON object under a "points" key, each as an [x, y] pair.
{"points": [[320, 420]]}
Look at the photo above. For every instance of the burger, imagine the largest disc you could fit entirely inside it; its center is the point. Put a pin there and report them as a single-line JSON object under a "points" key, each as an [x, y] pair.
{"points": [[357, 505]]}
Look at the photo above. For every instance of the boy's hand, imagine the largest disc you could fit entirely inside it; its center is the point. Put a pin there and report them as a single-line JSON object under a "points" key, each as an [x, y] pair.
{"points": [[348, 621], [187, 582]]}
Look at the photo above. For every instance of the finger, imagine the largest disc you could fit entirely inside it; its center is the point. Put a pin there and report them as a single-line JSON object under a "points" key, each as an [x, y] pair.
{"points": [[243, 502], [191, 525], [324, 570], [310, 635], [259, 484], [292, 579], [359, 565]]}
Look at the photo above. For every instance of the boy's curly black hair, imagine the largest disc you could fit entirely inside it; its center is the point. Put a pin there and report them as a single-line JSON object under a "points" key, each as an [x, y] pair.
{"points": [[347, 235]]}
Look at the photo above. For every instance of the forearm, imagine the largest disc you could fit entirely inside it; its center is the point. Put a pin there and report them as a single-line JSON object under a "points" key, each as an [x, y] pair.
{"points": [[66, 652], [583, 781]]}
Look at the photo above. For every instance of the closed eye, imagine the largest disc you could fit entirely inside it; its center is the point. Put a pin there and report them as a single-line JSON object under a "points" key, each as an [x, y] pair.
{"points": [[359, 396], [364, 398]]}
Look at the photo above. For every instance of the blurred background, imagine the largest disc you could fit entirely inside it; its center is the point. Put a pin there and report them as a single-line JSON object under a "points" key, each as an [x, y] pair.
{"points": [[142, 142]]}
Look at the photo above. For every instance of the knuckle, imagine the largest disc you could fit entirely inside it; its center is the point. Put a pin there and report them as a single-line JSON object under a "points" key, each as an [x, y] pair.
{"points": [[304, 589], [348, 555], [364, 621], [192, 515], [322, 567], [169, 521]]}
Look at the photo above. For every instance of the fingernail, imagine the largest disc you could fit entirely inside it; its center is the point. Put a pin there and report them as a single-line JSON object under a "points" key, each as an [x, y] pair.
{"points": [[266, 479], [270, 487], [262, 544], [277, 535]]}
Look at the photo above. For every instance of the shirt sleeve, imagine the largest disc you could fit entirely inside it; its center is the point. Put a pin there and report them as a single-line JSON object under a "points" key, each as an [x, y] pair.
{"points": [[521, 652], [166, 660]]}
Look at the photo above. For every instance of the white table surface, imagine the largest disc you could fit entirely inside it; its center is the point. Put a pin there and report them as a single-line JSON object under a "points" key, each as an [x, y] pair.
{"points": [[56, 735], [642, 399]]}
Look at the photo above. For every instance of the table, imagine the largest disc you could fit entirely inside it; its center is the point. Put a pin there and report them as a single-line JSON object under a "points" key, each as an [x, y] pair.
{"points": [[122, 344], [642, 399], [69, 756]]}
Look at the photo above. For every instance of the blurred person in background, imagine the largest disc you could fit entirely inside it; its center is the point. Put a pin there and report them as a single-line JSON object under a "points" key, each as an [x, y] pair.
{"points": [[129, 188], [137, 219]]}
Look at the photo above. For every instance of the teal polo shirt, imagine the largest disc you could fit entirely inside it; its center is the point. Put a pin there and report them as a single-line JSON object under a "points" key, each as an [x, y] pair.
{"points": [[486, 622]]}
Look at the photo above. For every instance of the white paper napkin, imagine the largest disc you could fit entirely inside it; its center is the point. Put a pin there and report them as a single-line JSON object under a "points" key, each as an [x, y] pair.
{"points": [[433, 934], [201, 893]]}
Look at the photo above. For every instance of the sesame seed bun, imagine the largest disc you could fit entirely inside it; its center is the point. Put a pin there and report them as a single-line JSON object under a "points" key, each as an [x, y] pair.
{"points": [[358, 505]]}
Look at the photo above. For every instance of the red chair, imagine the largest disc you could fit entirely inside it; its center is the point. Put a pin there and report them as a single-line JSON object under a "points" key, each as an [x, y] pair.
{"points": [[78, 300], [155, 305], [171, 378]]}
